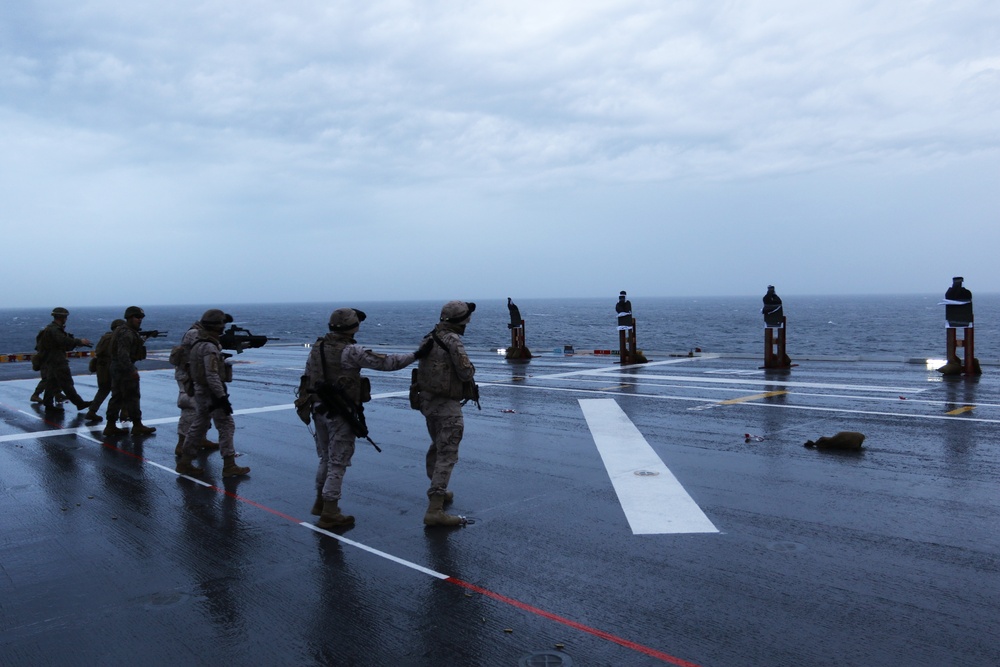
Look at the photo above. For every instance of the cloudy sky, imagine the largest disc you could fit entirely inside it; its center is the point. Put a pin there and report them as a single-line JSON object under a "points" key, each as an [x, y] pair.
{"points": [[257, 151]]}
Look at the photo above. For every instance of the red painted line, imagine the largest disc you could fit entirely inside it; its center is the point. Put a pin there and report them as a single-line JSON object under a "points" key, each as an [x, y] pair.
{"points": [[601, 634], [645, 650]]}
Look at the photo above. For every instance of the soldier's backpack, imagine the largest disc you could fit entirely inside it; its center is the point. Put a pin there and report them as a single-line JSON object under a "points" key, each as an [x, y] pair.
{"points": [[37, 358]]}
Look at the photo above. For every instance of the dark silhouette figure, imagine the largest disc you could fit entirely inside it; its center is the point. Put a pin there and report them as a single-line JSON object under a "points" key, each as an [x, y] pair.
{"points": [[958, 305], [773, 313]]}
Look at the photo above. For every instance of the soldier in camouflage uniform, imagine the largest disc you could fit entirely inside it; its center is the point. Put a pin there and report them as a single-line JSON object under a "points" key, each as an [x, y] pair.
{"points": [[52, 344], [102, 366], [210, 373], [180, 358], [445, 378], [337, 359], [127, 347]]}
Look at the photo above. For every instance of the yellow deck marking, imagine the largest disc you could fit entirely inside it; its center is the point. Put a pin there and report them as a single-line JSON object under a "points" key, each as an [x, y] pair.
{"points": [[963, 409], [743, 399]]}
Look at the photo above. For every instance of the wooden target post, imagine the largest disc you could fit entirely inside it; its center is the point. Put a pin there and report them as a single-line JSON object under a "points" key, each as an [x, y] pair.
{"points": [[518, 348], [967, 343], [626, 345], [774, 346]]}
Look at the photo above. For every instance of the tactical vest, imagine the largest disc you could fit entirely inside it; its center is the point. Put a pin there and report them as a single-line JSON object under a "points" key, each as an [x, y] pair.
{"points": [[197, 362], [331, 351], [436, 373], [124, 335]]}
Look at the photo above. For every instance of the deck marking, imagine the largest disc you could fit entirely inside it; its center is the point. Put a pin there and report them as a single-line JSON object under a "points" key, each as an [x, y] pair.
{"points": [[961, 410], [754, 397], [372, 550], [655, 502], [601, 634]]}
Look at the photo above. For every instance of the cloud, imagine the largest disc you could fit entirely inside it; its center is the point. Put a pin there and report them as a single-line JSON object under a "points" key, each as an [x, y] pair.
{"points": [[227, 121]]}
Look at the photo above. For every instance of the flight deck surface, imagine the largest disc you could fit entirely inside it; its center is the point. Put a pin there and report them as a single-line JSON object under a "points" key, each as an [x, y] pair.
{"points": [[664, 513]]}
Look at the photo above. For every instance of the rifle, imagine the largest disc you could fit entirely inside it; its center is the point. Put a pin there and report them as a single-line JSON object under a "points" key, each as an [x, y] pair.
{"points": [[152, 334], [336, 402], [239, 339]]}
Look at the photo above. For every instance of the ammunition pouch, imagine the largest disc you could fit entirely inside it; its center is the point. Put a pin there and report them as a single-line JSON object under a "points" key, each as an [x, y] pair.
{"points": [[37, 361], [92, 366], [303, 400], [178, 356], [366, 389], [226, 371], [414, 390]]}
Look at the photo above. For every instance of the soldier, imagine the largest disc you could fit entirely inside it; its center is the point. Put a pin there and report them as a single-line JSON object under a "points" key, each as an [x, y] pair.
{"points": [[209, 374], [127, 347], [337, 359], [180, 358], [52, 344], [101, 364], [445, 381]]}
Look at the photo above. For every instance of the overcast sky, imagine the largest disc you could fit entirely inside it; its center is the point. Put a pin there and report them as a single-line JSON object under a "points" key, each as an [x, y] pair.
{"points": [[257, 151]]}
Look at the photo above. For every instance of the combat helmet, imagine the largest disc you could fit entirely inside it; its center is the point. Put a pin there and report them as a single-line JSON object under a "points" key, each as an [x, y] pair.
{"points": [[134, 311], [457, 312], [215, 319], [345, 319], [60, 312]]}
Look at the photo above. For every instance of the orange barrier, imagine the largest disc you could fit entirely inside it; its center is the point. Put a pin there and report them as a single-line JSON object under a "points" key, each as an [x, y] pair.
{"points": [[26, 356]]}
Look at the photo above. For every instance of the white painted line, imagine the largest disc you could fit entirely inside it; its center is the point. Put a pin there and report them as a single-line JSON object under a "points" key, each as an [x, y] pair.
{"points": [[653, 500], [618, 368], [365, 547], [695, 380]]}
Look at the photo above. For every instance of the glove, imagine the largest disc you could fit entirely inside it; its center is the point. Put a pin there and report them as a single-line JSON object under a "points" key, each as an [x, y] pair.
{"points": [[424, 349], [222, 403]]}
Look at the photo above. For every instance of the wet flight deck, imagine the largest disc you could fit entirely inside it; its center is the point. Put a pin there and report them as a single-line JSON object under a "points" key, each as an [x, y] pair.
{"points": [[664, 513]]}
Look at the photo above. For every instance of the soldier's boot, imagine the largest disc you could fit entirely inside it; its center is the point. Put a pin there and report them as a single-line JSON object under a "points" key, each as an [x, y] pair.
{"points": [[186, 467], [93, 417], [111, 430], [82, 405], [331, 516], [179, 449], [50, 403], [318, 505], [140, 429], [36, 398], [208, 445], [230, 469], [435, 515]]}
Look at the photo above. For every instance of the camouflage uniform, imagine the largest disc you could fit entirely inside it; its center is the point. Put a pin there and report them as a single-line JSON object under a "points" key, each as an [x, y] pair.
{"points": [[102, 367], [210, 373], [334, 438], [52, 344], [442, 377], [185, 388], [127, 347]]}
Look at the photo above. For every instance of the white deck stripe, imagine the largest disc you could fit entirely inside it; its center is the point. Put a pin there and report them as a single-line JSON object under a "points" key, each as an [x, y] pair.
{"points": [[365, 547], [654, 502]]}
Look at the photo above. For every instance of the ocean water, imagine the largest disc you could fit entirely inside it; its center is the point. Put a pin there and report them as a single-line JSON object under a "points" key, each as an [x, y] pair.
{"points": [[904, 326]]}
